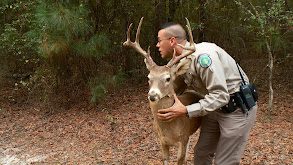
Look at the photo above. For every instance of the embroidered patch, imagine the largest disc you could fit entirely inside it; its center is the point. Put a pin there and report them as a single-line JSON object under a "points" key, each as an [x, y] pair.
{"points": [[204, 60]]}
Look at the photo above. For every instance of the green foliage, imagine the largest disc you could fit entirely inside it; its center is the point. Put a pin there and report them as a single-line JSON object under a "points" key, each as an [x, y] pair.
{"points": [[69, 20], [97, 46], [114, 120], [17, 42], [69, 40], [98, 93], [68, 43], [270, 21], [62, 26], [104, 82], [22, 83], [119, 78]]}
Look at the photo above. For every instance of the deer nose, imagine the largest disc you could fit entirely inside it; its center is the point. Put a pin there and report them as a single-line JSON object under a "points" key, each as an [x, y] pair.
{"points": [[153, 97], [154, 94]]}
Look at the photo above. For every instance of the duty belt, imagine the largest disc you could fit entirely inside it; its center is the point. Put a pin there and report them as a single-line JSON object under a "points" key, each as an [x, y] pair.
{"points": [[234, 102], [247, 95]]}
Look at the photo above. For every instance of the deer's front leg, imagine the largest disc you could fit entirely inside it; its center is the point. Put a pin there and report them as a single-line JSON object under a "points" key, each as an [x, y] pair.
{"points": [[182, 152], [165, 152]]}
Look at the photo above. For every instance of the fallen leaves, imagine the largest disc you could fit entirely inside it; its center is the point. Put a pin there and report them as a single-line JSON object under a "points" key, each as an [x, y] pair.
{"points": [[120, 131]]}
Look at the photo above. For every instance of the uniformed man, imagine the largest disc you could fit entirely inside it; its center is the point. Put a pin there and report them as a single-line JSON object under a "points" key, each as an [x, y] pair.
{"points": [[215, 75]]}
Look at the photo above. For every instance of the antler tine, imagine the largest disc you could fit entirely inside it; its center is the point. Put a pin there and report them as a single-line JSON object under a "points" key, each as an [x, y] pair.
{"points": [[149, 58], [138, 31], [127, 42], [136, 46], [173, 60], [189, 32], [190, 49]]}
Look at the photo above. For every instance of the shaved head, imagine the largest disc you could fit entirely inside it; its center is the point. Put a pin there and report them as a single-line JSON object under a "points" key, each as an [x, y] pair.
{"points": [[169, 36], [174, 30]]}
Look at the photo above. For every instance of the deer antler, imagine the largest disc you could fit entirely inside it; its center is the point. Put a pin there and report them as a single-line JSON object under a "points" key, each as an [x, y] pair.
{"points": [[136, 46], [191, 48]]}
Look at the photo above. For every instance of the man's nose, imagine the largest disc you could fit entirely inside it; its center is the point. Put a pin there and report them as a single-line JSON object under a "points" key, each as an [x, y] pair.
{"points": [[158, 45]]}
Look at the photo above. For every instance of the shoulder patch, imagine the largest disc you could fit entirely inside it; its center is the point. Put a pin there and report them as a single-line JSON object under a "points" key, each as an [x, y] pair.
{"points": [[204, 60]]}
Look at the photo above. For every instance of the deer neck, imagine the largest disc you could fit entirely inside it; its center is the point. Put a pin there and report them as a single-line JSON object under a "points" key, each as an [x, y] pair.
{"points": [[163, 103]]}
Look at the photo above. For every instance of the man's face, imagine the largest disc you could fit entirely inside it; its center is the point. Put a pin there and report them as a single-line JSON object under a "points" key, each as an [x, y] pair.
{"points": [[164, 45]]}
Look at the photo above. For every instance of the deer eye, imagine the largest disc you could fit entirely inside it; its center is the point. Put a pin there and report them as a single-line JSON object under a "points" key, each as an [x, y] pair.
{"points": [[168, 79]]}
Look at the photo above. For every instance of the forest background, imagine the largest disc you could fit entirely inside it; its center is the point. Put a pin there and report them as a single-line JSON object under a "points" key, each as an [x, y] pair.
{"points": [[64, 45], [59, 53]]}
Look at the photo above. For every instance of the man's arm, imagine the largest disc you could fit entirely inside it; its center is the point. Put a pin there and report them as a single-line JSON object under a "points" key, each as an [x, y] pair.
{"points": [[214, 79]]}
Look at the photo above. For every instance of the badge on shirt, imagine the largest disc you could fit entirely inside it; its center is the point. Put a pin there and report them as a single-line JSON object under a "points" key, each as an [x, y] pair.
{"points": [[204, 60]]}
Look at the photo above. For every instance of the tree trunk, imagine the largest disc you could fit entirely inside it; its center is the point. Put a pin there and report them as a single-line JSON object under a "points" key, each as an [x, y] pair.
{"points": [[201, 20], [271, 91], [160, 18], [271, 65], [173, 5]]}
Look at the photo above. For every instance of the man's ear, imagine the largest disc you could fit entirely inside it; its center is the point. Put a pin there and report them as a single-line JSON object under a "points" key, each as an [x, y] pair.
{"points": [[173, 42], [181, 67]]}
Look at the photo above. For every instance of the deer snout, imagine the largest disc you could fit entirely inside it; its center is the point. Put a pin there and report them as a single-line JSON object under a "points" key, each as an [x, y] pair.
{"points": [[154, 95]]}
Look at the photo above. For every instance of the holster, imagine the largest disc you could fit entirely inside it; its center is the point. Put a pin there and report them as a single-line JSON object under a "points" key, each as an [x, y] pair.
{"points": [[231, 106]]}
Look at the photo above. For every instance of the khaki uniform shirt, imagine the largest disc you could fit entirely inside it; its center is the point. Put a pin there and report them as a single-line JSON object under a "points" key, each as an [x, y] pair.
{"points": [[214, 74]]}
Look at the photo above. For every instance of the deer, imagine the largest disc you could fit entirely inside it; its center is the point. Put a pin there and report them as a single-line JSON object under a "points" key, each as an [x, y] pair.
{"points": [[163, 84]]}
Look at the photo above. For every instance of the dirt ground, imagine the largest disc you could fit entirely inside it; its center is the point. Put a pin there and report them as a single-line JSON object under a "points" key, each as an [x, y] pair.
{"points": [[119, 131]]}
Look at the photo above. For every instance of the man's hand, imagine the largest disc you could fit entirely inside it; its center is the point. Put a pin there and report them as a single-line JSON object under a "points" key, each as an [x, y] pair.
{"points": [[169, 114]]}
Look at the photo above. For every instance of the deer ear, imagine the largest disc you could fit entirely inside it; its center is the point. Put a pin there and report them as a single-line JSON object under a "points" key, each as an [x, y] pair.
{"points": [[181, 67]]}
